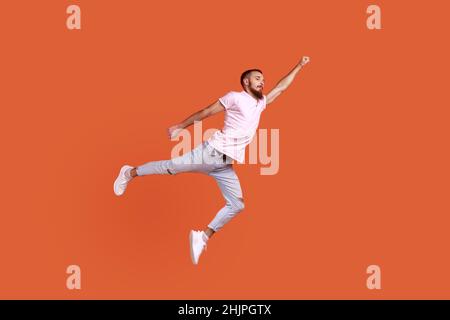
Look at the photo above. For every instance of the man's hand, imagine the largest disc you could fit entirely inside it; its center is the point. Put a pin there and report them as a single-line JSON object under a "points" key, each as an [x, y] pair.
{"points": [[304, 61], [173, 131]]}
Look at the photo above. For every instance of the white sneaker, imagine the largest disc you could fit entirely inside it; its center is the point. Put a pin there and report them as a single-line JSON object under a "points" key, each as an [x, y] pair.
{"points": [[122, 180], [198, 244]]}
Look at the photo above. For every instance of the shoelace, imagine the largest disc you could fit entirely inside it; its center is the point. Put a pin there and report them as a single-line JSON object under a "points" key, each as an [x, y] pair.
{"points": [[125, 182], [204, 242]]}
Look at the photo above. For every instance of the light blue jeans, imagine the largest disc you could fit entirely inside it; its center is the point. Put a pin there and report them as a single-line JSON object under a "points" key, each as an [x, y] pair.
{"points": [[208, 160]]}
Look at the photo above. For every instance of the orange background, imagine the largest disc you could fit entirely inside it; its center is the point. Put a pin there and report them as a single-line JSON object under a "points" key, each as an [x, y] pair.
{"points": [[364, 161]]}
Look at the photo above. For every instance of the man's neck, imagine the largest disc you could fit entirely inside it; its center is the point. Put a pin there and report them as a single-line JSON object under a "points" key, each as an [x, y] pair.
{"points": [[252, 95]]}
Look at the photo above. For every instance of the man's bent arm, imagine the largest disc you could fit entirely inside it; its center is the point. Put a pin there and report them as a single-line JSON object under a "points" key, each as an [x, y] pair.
{"points": [[202, 114], [198, 116]]}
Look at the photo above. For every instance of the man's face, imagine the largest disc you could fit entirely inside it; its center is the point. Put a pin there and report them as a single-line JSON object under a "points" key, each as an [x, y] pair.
{"points": [[256, 83]]}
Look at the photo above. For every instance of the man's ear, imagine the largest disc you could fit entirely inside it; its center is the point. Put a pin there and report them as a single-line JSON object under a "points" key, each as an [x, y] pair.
{"points": [[246, 81]]}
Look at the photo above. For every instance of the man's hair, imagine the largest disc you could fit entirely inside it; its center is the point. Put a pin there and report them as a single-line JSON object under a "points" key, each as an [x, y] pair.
{"points": [[246, 73]]}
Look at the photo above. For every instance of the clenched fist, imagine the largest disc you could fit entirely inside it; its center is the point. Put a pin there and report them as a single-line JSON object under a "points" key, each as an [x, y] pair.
{"points": [[173, 131], [304, 61]]}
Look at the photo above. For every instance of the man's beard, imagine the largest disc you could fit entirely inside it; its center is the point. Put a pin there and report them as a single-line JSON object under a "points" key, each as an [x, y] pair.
{"points": [[257, 93]]}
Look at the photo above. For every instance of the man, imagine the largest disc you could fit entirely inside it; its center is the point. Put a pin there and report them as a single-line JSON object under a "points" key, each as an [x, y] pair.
{"points": [[214, 157]]}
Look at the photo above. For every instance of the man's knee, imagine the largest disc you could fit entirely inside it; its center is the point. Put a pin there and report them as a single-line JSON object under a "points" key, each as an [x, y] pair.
{"points": [[239, 205]]}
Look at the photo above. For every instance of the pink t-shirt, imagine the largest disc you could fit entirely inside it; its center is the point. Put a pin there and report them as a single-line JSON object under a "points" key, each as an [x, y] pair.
{"points": [[242, 113]]}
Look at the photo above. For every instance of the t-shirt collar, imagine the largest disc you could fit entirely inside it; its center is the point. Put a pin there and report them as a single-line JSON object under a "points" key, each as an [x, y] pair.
{"points": [[250, 95]]}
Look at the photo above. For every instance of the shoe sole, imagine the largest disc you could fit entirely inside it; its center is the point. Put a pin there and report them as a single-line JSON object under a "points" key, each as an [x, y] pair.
{"points": [[191, 236], [121, 173]]}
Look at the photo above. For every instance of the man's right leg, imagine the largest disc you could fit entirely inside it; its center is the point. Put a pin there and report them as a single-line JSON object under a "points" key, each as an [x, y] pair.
{"points": [[189, 162], [192, 161]]}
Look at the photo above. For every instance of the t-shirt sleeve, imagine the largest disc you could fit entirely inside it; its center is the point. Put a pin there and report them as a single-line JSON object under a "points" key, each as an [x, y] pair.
{"points": [[264, 102], [228, 100]]}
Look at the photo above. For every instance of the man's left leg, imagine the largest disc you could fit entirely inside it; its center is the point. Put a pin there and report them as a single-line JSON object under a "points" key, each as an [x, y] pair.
{"points": [[228, 183]]}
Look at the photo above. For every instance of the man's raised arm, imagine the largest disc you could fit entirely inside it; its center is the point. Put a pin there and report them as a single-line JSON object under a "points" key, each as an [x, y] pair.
{"points": [[210, 110], [284, 83]]}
